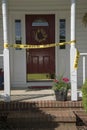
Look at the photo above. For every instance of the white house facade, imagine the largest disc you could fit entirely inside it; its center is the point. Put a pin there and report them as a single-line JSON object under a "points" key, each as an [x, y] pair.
{"points": [[42, 22]]}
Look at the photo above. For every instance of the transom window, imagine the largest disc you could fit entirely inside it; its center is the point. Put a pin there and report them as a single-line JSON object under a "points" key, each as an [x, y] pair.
{"points": [[40, 22]]}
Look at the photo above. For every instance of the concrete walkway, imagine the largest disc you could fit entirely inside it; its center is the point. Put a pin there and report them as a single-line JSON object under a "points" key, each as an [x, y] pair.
{"points": [[31, 94]]}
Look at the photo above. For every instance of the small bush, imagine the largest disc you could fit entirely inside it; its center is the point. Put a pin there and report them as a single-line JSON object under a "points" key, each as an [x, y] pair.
{"points": [[84, 95]]}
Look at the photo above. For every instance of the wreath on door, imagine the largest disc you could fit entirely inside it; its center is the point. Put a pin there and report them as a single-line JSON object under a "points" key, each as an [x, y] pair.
{"points": [[40, 35]]}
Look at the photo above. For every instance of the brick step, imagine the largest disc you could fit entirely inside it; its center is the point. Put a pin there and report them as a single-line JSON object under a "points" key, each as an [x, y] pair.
{"points": [[26, 125], [82, 117], [42, 126], [36, 115], [58, 116], [41, 120], [22, 106]]}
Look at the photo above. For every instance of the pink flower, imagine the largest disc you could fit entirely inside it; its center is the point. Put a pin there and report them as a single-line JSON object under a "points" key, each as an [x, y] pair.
{"points": [[56, 81], [66, 80]]}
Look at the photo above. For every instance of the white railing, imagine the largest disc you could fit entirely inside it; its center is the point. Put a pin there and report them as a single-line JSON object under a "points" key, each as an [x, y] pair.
{"points": [[84, 65]]}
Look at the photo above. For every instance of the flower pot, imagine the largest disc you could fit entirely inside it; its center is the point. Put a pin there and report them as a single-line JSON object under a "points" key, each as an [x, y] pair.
{"points": [[61, 95]]}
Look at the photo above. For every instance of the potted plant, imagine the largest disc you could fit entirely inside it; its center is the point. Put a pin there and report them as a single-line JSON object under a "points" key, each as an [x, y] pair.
{"points": [[61, 86], [84, 95]]}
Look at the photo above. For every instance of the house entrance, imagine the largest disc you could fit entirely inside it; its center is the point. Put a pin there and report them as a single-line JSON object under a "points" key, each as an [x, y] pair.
{"points": [[40, 30]]}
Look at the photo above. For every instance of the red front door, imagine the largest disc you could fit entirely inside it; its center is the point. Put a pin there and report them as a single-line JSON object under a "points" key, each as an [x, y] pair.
{"points": [[40, 29]]}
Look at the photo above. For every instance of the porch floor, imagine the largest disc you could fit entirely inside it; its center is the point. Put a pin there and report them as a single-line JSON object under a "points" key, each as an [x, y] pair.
{"points": [[27, 94], [21, 94]]}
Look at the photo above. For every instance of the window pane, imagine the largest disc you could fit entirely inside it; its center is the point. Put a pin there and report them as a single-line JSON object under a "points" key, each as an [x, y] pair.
{"points": [[18, 30], [18, 33], [40, 22], [62, 32], [62, 23]]}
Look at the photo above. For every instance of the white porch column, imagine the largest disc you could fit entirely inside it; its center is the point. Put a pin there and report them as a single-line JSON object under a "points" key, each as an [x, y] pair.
{"points": [[73, 71], [6, 53]]}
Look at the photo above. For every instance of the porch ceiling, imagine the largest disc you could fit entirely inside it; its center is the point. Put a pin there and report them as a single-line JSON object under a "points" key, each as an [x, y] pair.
{"points": [[44, 4]]}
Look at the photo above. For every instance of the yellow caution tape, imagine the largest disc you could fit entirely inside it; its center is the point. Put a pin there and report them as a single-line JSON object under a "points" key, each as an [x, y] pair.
{"points": [[25, 46], [76, 59], [6, 45]]}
